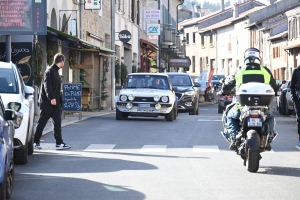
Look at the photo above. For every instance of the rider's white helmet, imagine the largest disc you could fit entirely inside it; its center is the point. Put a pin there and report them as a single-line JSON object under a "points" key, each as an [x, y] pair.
{"points": [[252, 55]]}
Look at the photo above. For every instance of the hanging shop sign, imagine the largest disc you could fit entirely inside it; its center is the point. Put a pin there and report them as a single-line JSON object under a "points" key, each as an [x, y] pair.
{"points": [[152, 14], [124, 36], [23, 17], [93, 5], [180, 62], [153, 29]]}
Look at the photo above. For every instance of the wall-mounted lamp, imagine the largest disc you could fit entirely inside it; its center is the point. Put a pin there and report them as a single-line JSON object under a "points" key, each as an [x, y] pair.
{"points": [[184, 41]]}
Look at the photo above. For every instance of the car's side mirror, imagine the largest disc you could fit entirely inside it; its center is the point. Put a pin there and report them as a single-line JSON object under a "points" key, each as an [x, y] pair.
{"points": [[197, 84], [174, 88], [14, 116], [28, 90]]}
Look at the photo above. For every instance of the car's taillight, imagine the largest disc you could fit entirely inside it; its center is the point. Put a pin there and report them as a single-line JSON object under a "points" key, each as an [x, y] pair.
{"points": [[229, 96]]}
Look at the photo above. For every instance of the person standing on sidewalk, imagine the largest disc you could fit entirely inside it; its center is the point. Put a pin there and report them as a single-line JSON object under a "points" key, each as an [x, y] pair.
{"points": [[295, 91], [50, 103]]}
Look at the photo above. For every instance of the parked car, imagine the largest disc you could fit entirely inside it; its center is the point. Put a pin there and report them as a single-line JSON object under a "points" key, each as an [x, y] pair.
{"points": [[19, 97], [8, 118], [203, 79], [187, 92], [289, 106], [284, 101], [147, 95]]}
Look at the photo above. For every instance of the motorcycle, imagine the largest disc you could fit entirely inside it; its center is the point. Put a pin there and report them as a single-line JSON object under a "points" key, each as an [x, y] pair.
{"points": [[255, 134], [209, 94]]}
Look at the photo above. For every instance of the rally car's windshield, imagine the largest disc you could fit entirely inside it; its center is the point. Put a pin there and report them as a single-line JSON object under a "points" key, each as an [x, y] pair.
{"points": [[147, 81]]}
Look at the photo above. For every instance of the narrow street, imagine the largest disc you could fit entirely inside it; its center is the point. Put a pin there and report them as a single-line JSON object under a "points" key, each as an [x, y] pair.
{"points": [[149, 158]]}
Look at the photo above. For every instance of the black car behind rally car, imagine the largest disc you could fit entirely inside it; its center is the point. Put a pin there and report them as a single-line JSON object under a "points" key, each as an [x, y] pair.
{"points": [[187, 92]]}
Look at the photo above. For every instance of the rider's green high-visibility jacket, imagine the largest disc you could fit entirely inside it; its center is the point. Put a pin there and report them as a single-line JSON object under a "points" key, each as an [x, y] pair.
{"points": [[240, 75]]}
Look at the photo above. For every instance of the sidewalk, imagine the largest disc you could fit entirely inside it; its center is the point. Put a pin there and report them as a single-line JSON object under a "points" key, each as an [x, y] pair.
{"points": [[72, 118]]}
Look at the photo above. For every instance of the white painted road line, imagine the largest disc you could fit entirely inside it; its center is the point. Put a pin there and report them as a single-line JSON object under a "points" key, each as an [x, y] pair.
{"points": [[205, 148], [100, 147], [209, 120], [153, 148]]}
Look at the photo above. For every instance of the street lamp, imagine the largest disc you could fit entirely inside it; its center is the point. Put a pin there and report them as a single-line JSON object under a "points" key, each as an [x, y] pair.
{"points": [[184, 42]]}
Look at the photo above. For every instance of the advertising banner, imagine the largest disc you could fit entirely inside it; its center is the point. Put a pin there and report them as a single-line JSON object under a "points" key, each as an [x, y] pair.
{"points": [[210, 77], [153, 29], [23, 17]]}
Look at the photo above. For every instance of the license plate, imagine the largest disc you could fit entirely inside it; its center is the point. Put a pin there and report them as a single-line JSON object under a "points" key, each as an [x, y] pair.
{"points": [[254, 122], [143, 105]]}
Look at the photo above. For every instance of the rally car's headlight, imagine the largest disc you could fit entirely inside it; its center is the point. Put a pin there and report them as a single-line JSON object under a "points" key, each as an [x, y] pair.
{"points": [[14, 106], [164, 99], [189, 93], [156, 98], [123, 98], [130, 97], [129, 105]]}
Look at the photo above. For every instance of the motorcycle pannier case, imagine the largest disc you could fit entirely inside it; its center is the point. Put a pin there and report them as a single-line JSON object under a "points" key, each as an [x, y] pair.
{"points": [[255, 94]]}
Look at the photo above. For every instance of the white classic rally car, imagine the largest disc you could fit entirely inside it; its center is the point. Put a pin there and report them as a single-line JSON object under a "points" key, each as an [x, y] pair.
{"points": [[147, 95]]}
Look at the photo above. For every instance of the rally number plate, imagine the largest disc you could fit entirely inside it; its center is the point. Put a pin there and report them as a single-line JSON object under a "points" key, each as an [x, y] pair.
{"points": [[143, 105], [254, 122]]}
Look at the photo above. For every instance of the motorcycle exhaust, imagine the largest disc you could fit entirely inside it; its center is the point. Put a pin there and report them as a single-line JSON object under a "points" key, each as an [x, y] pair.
{"points": [[264, 136]]}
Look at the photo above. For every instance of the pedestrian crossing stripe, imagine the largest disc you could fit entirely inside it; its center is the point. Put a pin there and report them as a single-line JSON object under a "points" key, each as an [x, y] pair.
{"points": [[144, 149], [153, 149], [100, 147], [209, 120]]}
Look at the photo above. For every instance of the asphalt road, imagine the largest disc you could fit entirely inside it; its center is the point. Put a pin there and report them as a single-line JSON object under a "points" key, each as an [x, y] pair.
{"points": [[149, 158]]}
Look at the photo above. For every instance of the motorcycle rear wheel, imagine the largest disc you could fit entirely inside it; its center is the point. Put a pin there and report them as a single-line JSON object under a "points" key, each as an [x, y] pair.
{"points": [[253, 143]]}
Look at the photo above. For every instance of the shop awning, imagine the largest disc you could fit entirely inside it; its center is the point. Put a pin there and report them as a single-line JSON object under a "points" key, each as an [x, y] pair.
{"points": [[82, 44], [149, 45]]}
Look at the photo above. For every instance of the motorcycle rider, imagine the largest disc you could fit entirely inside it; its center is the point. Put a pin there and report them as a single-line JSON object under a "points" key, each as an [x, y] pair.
{"points": [[251, 72]]}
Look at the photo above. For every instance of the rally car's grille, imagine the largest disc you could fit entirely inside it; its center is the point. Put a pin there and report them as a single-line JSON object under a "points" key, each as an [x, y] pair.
{"points": [[144, 99]]}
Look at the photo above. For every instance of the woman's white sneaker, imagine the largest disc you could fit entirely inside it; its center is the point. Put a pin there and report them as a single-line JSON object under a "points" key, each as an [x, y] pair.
{"points": [[62, 146]]}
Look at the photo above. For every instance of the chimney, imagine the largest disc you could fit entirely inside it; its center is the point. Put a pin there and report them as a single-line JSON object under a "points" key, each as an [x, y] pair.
{"points": [[235, 10], [222, 5], [198, 8], [193, 9]]}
